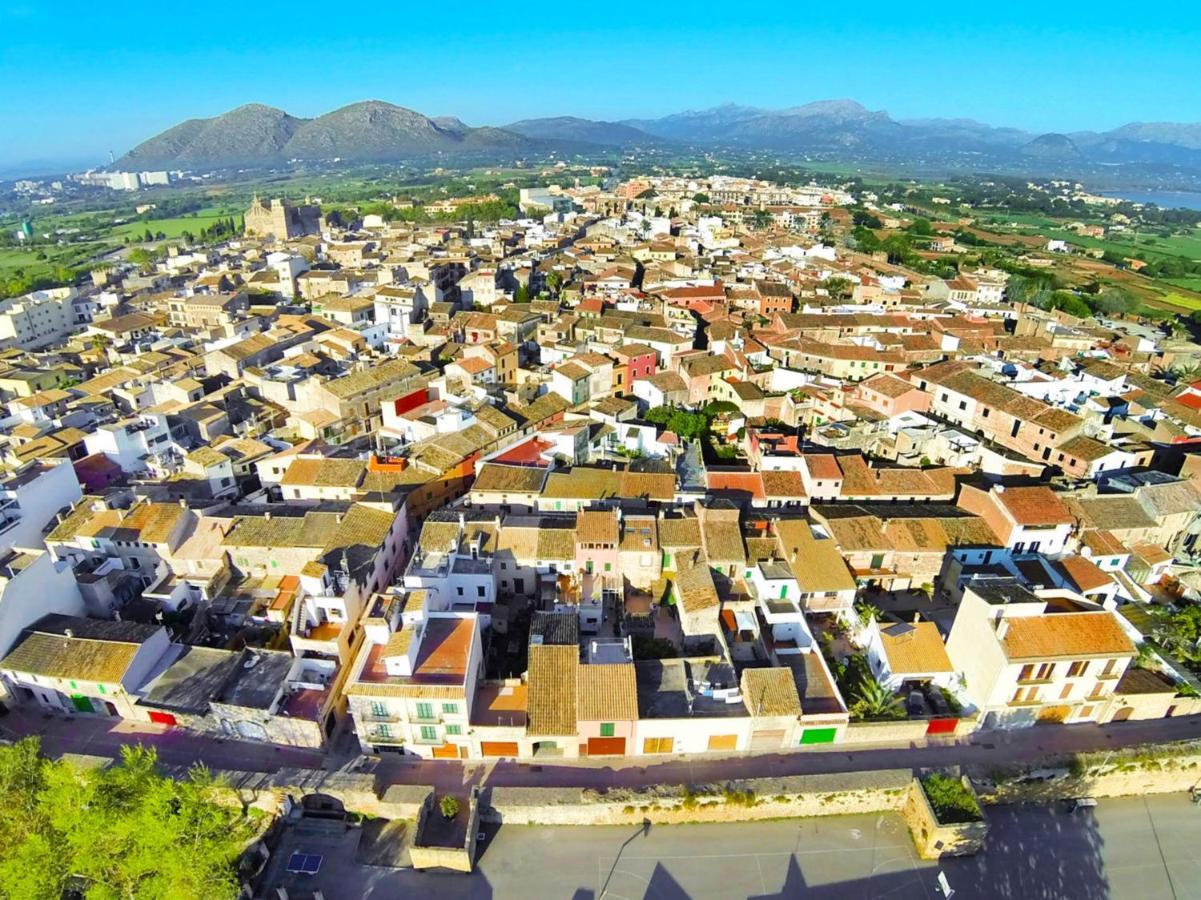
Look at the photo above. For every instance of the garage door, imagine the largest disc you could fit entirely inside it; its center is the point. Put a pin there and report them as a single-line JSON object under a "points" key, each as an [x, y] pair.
{"points": [[723, 742], [611, 746], [941, 726], [658, 745], [767, 740], [446, 751], [162, 718], [499, 748]]}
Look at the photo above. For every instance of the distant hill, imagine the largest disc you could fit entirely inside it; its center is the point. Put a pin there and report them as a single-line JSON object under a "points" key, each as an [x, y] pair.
{"points": [[1052, 147], [374, 131], [246, 135], [570, 128], [369, 131]]}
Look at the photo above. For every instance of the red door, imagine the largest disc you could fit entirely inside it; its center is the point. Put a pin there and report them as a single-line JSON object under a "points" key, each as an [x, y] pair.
{"points": [[163, 718]]}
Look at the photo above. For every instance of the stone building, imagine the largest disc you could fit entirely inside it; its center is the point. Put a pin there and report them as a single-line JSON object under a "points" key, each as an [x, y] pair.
{"points": [[280, 219]]}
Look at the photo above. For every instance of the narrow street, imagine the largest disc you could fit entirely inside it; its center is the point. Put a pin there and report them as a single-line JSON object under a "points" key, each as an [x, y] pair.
{"points": [[105, 737]]}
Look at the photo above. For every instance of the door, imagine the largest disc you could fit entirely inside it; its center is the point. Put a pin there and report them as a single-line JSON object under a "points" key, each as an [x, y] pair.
{"points": [[1123, 714], [606, 746], [446, 751], [658, 745], [162, 718], [723, 742], [81, 703], [498, 748], [767, 740]]}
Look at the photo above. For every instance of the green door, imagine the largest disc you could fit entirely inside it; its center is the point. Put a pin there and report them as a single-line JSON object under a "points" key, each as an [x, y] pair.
{"points": [[818, 735], [82, 703]]}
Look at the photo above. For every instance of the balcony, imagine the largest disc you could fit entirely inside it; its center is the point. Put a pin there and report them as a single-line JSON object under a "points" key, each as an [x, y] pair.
{"points": [[426, 720], [429, 742], [375, 736], [1047, 680], [380, 717]]}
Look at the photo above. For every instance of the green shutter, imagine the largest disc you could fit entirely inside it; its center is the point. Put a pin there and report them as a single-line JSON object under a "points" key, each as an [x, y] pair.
{"points": [[429, 733], [425, 710], [450, 708], [454, 729], [81, 703], [819, 735], [606, 729]]}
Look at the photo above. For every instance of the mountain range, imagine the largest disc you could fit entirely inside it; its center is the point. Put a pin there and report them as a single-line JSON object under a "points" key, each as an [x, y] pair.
{"points": [[375, 131]]}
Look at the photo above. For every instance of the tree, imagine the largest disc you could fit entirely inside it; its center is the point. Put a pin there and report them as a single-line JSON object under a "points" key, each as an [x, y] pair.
{"points": [[123, 831], [839, 288], [1115, 301], [700, 198], [761, 219], [920, 227], [874, 701], [449, 806], [522, 294]]}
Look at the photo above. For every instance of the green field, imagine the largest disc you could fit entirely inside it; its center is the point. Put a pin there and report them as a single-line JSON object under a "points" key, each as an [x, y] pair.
{"points": [[174, 228]]}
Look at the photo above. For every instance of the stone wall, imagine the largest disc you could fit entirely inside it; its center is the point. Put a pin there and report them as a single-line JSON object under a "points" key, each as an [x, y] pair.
{"points": [[933, 838], [750, 799], [1151, 771], [894, 732]]}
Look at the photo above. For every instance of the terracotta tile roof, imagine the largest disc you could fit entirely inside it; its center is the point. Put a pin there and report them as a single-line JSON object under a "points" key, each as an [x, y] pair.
{"points": [[607, 693], [514, 479], [770, 692], [1035, 505], [1084, 573], [914, 649], [552, 680], [97, 651], [823, 467], [597, 527], [694, 583], [1065, 636]]}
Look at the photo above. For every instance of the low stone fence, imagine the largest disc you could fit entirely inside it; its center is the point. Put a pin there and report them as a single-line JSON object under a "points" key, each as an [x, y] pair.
{"points": [[742, 800], [935, 839], [910, 730], [1150, 770]]}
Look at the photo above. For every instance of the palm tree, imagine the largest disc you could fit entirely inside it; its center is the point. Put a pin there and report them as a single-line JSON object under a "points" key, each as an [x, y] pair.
{"points": [[874, 701]]}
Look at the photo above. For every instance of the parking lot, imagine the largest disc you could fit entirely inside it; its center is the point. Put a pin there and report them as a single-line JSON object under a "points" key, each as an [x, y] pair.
{"points": [[1125, 848]]}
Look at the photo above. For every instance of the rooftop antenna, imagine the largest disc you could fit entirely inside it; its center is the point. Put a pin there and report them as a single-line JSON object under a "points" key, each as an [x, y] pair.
{"points": [[111, 158]]}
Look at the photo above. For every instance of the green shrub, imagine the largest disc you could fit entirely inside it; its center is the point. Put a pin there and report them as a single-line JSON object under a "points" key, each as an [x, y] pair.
{"points": [[951, 800]]}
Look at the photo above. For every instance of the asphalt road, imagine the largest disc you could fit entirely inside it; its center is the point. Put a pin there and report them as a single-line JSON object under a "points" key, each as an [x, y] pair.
{"points": [[105, 737], [1137, 848]]}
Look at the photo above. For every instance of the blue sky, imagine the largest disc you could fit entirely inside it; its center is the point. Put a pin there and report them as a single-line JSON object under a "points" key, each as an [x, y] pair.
{"points": [[81, 79]]}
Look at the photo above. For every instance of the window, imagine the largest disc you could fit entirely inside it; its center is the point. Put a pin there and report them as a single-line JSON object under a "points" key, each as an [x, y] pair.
{"points": [[425, 710], [379, 710], [606, 729], [429, 733], [450, 708], [383, 731], [480, 590], [1076, 669], [454, 729], [460, 590]]}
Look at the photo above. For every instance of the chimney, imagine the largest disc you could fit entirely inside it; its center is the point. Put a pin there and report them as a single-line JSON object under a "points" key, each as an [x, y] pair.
{"points": [[68, 633], [267, 515], [1002, 628], [1000, 488], [183, 504], [794, 554], [917, 617]]}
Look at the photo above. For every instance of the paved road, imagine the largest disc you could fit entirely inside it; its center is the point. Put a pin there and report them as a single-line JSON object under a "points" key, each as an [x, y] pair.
{"points": [[1129, 849], [105, 737]]}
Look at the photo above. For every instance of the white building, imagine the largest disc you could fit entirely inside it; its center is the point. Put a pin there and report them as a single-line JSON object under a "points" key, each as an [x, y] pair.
{"points": [[31, 498]]}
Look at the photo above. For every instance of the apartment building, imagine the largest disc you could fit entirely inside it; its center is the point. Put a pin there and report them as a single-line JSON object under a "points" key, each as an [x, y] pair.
{"points": [[1036, 657]]}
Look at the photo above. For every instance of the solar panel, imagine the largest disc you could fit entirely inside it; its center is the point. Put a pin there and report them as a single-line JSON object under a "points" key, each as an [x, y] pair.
{"points": [[304, 863]]}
